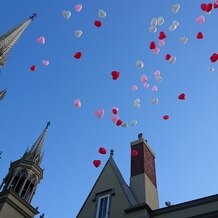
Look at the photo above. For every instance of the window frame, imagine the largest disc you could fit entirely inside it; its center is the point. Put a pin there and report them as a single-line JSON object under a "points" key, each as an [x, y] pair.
{"points": [[108, 196]]}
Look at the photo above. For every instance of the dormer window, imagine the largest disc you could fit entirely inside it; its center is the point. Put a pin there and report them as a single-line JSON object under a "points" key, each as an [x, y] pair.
{"points": [[103, 206]]}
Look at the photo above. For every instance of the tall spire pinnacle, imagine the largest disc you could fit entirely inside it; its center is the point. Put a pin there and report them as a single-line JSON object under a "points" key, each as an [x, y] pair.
{"points": [[35, 153], [8, 39], [2, 94]]}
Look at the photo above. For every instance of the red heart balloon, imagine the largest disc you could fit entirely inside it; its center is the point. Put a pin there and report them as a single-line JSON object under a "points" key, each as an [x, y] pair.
{"points": [[33, 67], [200, 35], [97, 163], [166, 117], [119, 122], [203, 6], [78, 55], [167, 57], [98, 23], [215, 5], [102, 150], [152, 45], [115, 110], [162, 35], [209, 7], [115, 74], [134, 153], [214, 57], [182, 96]]}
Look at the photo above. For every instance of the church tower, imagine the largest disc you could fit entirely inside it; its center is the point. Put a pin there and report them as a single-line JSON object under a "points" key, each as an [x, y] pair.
{"points": [[19, 185], [8, 40]]}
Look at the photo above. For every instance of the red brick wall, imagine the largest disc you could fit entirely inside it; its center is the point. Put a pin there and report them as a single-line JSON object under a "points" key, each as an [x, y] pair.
{"points": [[144, 162]]}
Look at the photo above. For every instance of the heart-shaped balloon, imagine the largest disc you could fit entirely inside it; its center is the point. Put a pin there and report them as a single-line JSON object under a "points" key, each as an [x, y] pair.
{"points": [[115, 110], [146, 85], [119, 122], [154, 88], [155, 100], [144, 78], [134, 153], [158, 78], [166, 117], [155, 50], [97, 163], [153, 21], [136, 103], [214, 57], [209, 7], [114, 118], [124, 124], [115, 74], [133, 122], [102, 150], [33, 68], [77, 103], [161, 42], [98, 23], [134, 87], [172, 60], [152, 29], [167, 57], [157, 73], [162, 35], [182, 96], [139, 64], [78, 33], [102, 13], [200, 19], [175, 8], [45, 62], [211, 69], [66, 14], [199, 35], [78, 55], [160, 21], [172, 27], [183, 39], [41, 40], [152, 45], [78, 7], [99, 113]]}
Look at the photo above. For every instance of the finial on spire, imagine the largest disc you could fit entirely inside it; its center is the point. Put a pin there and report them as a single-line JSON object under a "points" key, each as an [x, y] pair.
{"points": [[33, 16], [48, 124], [111, 152]]}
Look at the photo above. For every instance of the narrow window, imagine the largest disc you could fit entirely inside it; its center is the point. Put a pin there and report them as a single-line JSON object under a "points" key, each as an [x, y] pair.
{"points": [[103, 206]]}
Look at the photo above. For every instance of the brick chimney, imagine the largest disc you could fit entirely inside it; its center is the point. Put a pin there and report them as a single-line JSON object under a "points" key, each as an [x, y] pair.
{"points": [[143, 182]]}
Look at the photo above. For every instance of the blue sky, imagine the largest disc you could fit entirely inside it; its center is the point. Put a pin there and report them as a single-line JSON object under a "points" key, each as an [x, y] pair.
{"points": [[185, 145]]}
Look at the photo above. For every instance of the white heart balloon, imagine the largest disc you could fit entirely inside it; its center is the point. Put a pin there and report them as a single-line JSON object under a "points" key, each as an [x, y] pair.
{"points": [[172, 60], [160, 21], [172, 27], [175, 22], [155, 100], [175, 8], [139, 64], [183, 39], [153, 21], [78, 33], [66, 14], [134, 123], [211, 69], [124, 124], [153, 29], [102, 13]]}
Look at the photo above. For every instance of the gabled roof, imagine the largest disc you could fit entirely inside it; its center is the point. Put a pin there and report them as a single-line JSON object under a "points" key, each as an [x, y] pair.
{"points": [[123, 185]]}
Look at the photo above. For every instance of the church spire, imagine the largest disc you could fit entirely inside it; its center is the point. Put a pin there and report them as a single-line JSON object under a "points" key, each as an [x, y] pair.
{"points": [[35, 153], [2, 94], [8, 39]]}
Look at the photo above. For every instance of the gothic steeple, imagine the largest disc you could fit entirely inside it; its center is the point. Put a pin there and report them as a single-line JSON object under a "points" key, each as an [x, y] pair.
{"points": [[35, 153], [8, 39], [2, 94], [25, 174]]}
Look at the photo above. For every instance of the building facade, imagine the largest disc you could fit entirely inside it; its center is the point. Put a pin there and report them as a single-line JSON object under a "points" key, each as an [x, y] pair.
{"points": [[20, 184], [112, 197]]}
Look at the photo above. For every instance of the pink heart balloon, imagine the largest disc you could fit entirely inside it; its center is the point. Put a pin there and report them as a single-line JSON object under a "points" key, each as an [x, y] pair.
{"points": [[134, 87], [154, 88], [45, 62], [41, 40], [161, 42], [78, 7], [114, 118], [155, 50], [77, 103], [200, 19], [99, 113]]}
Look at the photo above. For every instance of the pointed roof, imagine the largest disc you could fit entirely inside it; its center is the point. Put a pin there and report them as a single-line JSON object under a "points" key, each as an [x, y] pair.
{"points": [[2, 94], [108, 175], [35, 153], [8, 39]]}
